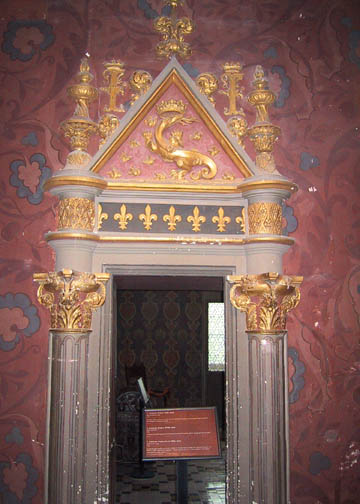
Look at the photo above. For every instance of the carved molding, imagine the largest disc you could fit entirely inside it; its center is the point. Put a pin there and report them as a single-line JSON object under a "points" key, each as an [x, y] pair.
{"points": [[71, 297], [265, 217], [76, 213], [266, 299]]}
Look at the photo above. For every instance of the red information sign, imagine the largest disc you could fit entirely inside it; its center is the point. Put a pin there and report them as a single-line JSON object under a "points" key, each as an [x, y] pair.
{"points": [[180, 433]]}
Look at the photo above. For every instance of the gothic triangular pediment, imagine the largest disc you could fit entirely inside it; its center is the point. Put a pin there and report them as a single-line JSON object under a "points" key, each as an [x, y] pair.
{"points": [[172, 136]]}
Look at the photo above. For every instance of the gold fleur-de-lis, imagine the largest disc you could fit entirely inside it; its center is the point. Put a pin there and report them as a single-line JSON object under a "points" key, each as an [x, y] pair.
{"points": [[151, 121], [149, 160], [197, 136], [114, 174], [134, 171], [134, 144], [101, 216], [123, 217], [147, 218], [196, 219], [125, 157], [241, 220], [228, 176], [160, 176], [221, 220], [213, 151], [172, 219]]}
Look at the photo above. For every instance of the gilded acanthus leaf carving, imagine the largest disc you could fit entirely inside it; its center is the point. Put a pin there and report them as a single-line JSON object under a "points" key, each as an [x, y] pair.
{"points": [[71, 297], [266, 299]]}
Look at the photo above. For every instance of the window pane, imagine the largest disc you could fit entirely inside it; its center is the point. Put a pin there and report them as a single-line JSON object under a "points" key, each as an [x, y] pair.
{"points": [[216, 337]]}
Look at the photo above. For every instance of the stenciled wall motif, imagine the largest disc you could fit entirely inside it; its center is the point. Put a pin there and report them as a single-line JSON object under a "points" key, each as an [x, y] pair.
{"points": [[311, 55], [163, 330]]}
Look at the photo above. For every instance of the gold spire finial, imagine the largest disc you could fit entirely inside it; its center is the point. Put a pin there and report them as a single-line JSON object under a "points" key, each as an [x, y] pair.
{"points": [[173, 31], [80, 127], [263, 134]]}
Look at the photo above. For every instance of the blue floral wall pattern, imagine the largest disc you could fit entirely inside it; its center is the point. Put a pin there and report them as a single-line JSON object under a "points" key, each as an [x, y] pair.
{"points": [[29, 177], [24, 38]]}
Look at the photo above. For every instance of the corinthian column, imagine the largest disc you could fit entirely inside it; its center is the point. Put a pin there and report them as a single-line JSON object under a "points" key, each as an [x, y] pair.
{"points": [[71, 297], [266, 299]]}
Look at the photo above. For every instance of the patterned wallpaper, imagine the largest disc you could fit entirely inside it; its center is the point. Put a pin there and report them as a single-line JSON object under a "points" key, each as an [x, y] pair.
{"points": [[311, 52], [163, 330]]}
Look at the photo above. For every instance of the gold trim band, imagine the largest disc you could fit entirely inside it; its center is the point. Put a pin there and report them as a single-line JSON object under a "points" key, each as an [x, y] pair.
{"points": [[241, 187], [188, 240], [253, 185], [63, 180]]}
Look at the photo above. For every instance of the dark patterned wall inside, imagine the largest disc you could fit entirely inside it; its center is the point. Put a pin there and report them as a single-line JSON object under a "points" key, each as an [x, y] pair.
{"points": [[163, 330]]}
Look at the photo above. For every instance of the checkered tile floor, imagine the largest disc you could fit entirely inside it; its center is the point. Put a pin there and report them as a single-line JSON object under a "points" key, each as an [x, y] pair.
{"points": [[206, 483]]}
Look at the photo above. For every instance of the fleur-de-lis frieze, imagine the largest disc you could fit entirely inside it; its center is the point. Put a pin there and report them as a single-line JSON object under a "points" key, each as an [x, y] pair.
{"points": [[123, 217], [101, 216], [147, 218], [221, 220], [171, 218], [241, 220], [196, 219]]}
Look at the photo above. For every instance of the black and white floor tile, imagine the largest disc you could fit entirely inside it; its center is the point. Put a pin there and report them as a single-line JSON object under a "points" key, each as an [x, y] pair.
{"points": [[206, 483]]}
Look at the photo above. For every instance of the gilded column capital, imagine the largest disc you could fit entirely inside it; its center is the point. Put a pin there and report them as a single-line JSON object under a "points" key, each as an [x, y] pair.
{"points": [[71, 296], [266, 299]]}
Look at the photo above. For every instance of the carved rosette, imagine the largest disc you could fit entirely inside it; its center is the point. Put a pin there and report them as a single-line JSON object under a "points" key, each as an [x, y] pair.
{"points": [[76, 213], [266, 299], [71, 297], [265, 217]]}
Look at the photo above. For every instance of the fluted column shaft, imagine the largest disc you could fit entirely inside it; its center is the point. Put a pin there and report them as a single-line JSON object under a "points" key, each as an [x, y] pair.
{"points": [[268, 413], [266, 299], [68, 411]]}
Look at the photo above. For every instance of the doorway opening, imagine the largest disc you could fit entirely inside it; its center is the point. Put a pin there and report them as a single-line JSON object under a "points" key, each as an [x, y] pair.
{"points": [[163, 336]]}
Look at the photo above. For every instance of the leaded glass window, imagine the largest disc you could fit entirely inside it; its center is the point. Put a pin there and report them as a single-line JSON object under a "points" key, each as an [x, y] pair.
{"points": [[216, 337]]}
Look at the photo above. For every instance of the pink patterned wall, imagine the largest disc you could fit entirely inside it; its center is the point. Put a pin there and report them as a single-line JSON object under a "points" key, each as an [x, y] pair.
{"points": [[311, 52]]}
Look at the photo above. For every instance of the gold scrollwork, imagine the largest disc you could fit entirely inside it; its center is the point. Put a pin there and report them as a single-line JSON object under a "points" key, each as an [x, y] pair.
{"points": [[171, 218], [196, 219], [101, 216], [266, 299], [107, 125], [238, 127], [173, 112], [123, 217], [140, 81], [76, 213], [265, 217], [240, 219], [148, 217], [208, 85], [71, 297], [221, 220]]}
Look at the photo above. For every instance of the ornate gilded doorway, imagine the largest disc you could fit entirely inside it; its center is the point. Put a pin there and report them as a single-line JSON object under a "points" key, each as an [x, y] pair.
{"points": [[171, 191]]}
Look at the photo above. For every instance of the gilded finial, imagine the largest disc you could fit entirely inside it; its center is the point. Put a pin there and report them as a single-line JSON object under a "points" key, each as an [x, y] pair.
{"points": [[173, 31], [80, 127], [263, 134]]}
